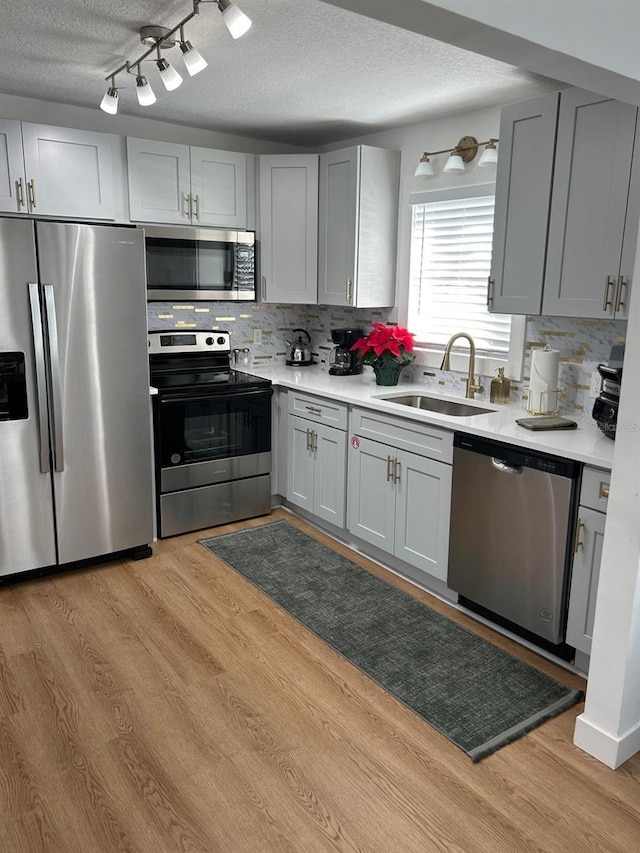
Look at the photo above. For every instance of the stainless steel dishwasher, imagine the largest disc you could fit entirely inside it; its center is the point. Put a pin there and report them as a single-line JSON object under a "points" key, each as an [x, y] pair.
{"points": [[512, 521]]}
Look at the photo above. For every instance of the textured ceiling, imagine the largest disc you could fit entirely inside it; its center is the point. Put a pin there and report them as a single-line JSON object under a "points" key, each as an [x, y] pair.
{"points": [[306, 73]]}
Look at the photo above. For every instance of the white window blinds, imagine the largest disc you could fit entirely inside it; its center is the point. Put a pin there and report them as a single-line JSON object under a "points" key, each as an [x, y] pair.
{"points": [[450, 263]]}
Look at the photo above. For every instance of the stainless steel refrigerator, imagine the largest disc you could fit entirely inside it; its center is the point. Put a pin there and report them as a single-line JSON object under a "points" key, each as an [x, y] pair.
{"points": [[75, 443]]}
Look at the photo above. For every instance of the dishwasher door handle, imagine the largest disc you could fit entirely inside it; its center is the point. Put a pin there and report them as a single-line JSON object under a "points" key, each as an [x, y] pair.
{"points": [[501, 465]]}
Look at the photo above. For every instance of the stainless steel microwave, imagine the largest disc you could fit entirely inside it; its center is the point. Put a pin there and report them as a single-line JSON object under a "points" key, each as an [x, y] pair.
{"points": [[199, 263]]}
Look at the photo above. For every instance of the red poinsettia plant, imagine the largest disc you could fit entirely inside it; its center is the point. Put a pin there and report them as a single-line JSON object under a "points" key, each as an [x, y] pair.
{"points": [[384, 344]]}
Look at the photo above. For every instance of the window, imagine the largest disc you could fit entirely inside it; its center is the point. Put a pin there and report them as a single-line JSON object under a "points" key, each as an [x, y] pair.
{"points": [[451, 240]]}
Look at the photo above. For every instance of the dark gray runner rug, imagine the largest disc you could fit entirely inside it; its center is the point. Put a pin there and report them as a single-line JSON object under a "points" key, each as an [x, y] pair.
{"points": [[475, 694]]}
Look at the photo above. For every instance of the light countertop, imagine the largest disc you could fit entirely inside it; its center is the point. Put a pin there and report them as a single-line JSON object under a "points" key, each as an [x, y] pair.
{"points": [[584, 444]]}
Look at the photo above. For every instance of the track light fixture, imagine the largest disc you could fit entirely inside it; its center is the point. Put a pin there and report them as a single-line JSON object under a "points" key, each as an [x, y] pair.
{"points": [[462, 153], [162, 38]]}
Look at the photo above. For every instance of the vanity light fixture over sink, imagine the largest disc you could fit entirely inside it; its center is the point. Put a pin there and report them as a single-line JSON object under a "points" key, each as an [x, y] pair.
{"points": [[463, 152], [163, 38]]}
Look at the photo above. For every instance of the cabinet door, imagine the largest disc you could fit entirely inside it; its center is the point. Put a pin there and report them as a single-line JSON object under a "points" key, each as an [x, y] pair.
{"points": [[584, 579], [159, 181], [70, 172], [219, 187], [630, 238], [589, 205], [289, 228], [300, 463], [523, 196], [339, 180], [371, 493], [13, 188], [423, 498], [329, 451]]}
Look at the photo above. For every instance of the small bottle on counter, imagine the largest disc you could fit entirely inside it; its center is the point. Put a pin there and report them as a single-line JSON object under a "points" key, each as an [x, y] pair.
{"points": [[500, 388]]}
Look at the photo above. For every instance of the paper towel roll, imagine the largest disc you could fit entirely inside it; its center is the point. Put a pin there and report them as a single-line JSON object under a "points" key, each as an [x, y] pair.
{"points": [[543, 386]]}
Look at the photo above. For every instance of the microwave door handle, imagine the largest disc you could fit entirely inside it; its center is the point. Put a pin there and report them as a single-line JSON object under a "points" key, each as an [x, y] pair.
{"points": [[56, 380], [41, 377]]}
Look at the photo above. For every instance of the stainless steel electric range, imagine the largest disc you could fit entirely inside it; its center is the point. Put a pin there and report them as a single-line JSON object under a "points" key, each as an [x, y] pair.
{"points": [[212, 433]]}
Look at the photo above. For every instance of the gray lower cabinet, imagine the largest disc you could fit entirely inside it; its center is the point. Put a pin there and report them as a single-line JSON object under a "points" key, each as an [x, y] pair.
{"points": [[567, 207], [586, 561], [316, 457], [398, 499]]}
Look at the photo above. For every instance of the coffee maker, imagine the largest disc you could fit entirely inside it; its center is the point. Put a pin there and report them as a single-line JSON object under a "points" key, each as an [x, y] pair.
{"points": [[342, 361]]}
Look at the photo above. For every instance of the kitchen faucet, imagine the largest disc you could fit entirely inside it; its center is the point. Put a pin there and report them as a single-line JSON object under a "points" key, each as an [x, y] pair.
{"points": [[470, 380]]}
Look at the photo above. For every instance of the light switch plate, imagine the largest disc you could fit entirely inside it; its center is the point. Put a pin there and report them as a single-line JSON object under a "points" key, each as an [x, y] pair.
{"points": [[257, 336]]}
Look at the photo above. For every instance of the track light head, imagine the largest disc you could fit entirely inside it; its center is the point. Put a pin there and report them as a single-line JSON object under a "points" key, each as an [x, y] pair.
{"points": [[168, 74], [145, 93], [109, 102], [236, 21], [193, 61]]}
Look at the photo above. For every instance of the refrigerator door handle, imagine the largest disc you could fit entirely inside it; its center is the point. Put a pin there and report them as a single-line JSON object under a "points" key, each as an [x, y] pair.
{"points": [[41, 376], [56, 382]]}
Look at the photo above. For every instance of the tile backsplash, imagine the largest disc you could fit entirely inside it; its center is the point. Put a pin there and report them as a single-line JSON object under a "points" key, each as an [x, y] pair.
{"points": [[583, 344]]}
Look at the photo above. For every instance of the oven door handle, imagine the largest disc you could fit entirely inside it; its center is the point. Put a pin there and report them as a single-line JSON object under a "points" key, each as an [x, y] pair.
{"points": [[213, 397]]}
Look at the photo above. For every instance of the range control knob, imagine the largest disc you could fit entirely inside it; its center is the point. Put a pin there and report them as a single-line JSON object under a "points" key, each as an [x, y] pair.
{"points": [[209, 342], [221, 340]]}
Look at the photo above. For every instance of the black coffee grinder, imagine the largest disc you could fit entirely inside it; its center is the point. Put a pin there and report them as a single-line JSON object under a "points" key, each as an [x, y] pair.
{"points": [[342, 361]]}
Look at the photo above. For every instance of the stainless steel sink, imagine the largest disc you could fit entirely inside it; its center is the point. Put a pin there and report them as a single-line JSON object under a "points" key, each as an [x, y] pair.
{"points": [[436, 404]]}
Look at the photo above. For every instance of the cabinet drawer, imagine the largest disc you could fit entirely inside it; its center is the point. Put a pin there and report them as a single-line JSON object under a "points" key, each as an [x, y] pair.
{"points": [[318, 409], [420, 438], [595, 489]]}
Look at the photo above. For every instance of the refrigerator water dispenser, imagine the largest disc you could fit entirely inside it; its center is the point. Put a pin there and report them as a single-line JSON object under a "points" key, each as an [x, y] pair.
{"points": [[13, 387]]}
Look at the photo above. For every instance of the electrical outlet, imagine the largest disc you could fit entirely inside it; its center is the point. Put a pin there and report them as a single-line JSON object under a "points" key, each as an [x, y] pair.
{"points": [[257, 336], [596, 384]]}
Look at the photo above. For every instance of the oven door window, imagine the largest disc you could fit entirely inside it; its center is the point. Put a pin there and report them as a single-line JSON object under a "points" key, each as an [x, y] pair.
{"points": [[218, 427]]}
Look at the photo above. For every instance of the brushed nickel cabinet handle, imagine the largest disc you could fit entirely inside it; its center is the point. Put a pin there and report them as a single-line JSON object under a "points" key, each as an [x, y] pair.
{"points": [[314, 441], [20, 189], [604, 492], [389, 470], [32, 192], [396, 471], [308, 447], [264, 287], [491, 282], [606, 302], [578, 542], [197, 207], [349, 285], [619, 303]]}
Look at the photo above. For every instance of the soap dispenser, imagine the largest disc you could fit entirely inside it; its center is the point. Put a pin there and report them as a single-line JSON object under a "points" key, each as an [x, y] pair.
{"points": [[500, 388]]}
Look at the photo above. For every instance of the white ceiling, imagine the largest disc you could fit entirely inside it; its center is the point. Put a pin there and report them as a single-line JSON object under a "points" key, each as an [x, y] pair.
{"points": [[306, 73]]}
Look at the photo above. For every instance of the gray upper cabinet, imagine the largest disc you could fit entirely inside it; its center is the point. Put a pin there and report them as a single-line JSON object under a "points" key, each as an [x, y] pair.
{"points": [[12, 180], [288, 228], [523, 197], [567, 207], [583, 276], [357, 229], [185, 185], [68, 172]]}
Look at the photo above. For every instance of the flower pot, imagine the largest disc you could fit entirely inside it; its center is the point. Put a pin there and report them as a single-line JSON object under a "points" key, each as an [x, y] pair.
{"points": [[388, 372]]}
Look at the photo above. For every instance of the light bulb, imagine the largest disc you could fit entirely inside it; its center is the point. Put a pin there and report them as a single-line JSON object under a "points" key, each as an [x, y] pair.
{"points": [[193, 61], [454, 164], [109, 102], [236, 21], [168, 74], [144, 91], [424, 169], [489, 156]]}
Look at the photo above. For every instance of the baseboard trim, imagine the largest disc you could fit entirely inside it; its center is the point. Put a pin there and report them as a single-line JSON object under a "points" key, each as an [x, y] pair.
{"points": [[612, 750]]}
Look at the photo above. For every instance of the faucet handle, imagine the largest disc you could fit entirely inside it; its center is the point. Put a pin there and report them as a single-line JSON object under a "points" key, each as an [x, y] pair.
{"points": [[472, 388]]}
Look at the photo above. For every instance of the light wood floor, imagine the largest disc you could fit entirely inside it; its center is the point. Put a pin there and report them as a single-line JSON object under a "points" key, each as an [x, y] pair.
{"points": [[167, 705]]}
